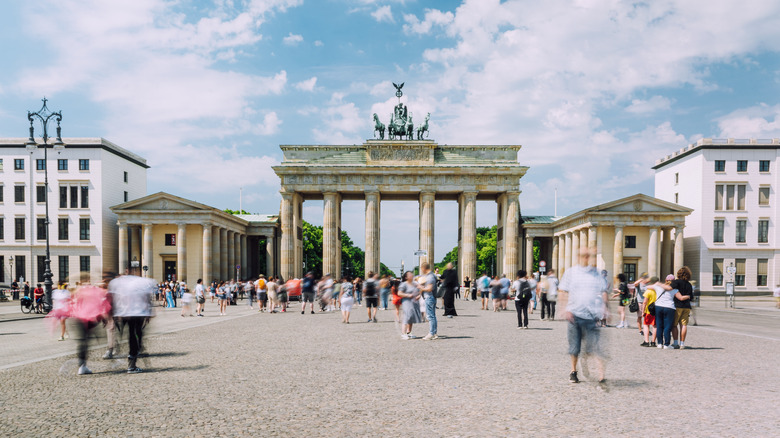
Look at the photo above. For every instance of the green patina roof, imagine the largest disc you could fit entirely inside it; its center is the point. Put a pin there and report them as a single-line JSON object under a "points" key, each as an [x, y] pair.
{"points": [[539, 219]]}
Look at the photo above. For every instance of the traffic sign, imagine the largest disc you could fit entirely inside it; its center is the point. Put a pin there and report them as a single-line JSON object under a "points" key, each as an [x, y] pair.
{"points": [[542, 264], [238, 267], [420, 252], [731, 270]]}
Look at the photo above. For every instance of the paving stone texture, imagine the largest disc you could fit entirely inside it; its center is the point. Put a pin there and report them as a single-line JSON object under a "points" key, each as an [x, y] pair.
{"points": [[252, 374]]}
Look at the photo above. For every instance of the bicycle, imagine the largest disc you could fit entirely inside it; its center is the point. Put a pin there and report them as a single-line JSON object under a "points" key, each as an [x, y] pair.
{"points": [[28, 305]]}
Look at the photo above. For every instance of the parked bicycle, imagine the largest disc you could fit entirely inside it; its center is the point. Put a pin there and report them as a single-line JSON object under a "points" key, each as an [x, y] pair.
{"points": [[29, 305]]}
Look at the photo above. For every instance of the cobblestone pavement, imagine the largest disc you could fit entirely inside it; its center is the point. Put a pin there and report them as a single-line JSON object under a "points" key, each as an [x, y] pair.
{"points": [[251, 374]]}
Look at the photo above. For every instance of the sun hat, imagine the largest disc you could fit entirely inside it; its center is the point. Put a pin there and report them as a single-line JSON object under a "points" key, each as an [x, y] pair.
{"points": [[670, 277]]}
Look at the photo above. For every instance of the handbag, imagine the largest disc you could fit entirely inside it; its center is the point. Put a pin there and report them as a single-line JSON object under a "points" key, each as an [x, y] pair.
{"points": [[651, 307], [440, 291], [633, 307]]}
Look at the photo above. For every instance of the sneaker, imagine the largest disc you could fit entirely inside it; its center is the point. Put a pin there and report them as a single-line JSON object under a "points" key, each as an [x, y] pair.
{"points": [[573, 377], [312, 312], [652, 344], [134, 370], [682, 347], [525, 328], [660, 346], [676, 347], [302, 312], [109, 355], [428, 337], [602, 385], [435, 337], [375, 320], [644, 344], [405, 337], [412, 337], [62, 338], [619, 325], [84, 370], [666, 347]]}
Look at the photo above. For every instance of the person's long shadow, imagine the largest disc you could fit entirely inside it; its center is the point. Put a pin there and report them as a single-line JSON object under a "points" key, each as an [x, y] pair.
{"points": [[5, 334], [703, 348], [454, 337]]}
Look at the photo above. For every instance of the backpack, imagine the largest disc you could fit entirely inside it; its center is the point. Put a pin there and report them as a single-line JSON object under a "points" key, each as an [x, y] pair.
{"points": [[370, 288], [485, 283], [261, 284], [525, 290]]}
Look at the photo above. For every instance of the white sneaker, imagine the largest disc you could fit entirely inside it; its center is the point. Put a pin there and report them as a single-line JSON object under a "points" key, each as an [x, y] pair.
{"points": [[666, 347], [405, 337], [660, 345], [619, 325], [84, 370], [428, 337]]}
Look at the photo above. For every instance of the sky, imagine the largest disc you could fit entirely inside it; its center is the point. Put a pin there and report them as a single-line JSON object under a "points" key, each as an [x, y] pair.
{"points": [[206, 91]]}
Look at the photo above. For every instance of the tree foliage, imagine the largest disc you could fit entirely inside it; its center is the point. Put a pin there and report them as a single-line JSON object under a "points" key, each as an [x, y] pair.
{"points": [[227, 210], [487, 238], [352, 257]]}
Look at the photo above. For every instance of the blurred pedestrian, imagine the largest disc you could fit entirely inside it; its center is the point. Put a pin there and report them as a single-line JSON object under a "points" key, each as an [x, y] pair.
{"points": [[495, 293], [261, 286], [308, 291], [249, 291], [200, 297], [384, 291], [505, 283], [522, 288], [186, 302], [132, 304], [371, 293], [347, 299], [483, 283], [427, 287], [449, 280], [648, 314], [222, 297], [552, 293], [623, 295], [90, 306], [61, 309], [664, 312], [640, 286], [409, 292]]}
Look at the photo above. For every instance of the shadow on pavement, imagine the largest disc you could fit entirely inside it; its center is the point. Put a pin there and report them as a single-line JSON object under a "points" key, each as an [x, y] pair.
{"points": [[167, 369], [625, 383], [3, 334], [703, 348], [454, 337]]}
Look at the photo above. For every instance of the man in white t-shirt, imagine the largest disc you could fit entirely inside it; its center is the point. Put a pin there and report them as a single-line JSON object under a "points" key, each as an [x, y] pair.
{"points": [[261, 286], [200, 297]]}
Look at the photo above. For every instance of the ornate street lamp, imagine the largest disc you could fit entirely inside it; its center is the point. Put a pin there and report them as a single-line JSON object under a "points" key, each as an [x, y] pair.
{"points": [[44, 115]]}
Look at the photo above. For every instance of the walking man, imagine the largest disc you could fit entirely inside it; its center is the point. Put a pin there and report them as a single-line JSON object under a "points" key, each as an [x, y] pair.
{"points": [[307, 292], [483, 283], [587, 291], [371, 292], [428, 289], [132, 303]]}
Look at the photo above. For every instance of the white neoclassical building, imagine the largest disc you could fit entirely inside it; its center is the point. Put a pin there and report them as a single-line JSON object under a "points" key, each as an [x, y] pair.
{"points": [[85, 179], [731, 185]]}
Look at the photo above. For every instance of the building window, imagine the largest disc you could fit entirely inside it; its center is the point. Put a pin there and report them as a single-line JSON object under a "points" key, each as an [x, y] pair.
{"points": [[62, 228], [763, 231], [62, 164], [40, 193], [63, 197], [18, 163], [41, 268], [676, 178], [676, 198], [170, 240], [717, 234], [742, 166], [1, 169], [64, 268], [717, 272], [41, 228], [84, 265], [84, 229], [629, 269], [40, 164], [763, 166], [763, 196], [84, 197], [741, 230], [20, 262], [18, 193], [2, 236], [2, 271], [761, 276], [127, 197], [720, 165], [74, 197], [125, 176], [739, 278], [630, 241], [19, 228], [734, 196], [83, 164], [2, 189]]}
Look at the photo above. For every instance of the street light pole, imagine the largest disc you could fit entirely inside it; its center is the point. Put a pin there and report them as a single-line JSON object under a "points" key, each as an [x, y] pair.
{"points": [[44, 115]]}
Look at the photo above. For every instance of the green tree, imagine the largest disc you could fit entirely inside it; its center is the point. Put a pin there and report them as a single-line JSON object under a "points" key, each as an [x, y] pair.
{"points": [[227, 210], [487, 239]]}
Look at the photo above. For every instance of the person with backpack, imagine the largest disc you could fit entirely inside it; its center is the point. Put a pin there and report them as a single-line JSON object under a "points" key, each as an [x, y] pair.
{"points": [[523, 294], [682, 304], [370, 292], [307, 292], [483, 284], [261, 286]]}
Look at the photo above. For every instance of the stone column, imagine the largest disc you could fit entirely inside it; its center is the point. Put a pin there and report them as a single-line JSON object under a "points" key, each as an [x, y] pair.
{"points": [[148, 248], [593, 244], [288, 240], [269, 256], [330, 248], [298, 237], [372, 233], [427, 203], [678, 249], [338, 237], [236, 255], [652, 252], [224, 271], [231, 255], [529, 255], [575, 248], [207, 247], [469, 235], [216, 255], [555, 253], [617, 258], [567, 251], [244, 256], [181, 253], [123, 244], [512, 235]]}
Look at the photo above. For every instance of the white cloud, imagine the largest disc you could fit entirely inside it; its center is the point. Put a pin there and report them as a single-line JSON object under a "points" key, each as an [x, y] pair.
{"points": [[761, 121], [293, 39], [270, 124], [307, 85], [383, 13], [318, 43], [654, 104], [433, 17]]}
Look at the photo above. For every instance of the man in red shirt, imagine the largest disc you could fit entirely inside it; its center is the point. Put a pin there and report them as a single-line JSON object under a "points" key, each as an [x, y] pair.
{"points": [[38, 295]]}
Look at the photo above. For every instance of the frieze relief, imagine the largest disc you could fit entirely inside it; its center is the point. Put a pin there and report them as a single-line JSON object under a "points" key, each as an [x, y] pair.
{"points": [[421, 180], [388, 154]]}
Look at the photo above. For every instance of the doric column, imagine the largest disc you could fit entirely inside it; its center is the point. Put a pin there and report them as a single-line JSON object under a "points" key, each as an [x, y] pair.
{"points": [[148, 248], [231, 255], [427, 203], [236, 255], [592, 244], [216, 255], [555, 253], [123, 248], [469, 235], [330, 229], [207, 248], [288, 240], [270, 244], [372, 233], [575, 248], [529, 255], [338, 238], [224, 271], [617, 258], [244, 256], [298, 235], [512, 235], [652, 252], [678, 249], [181, 253], [567, 260]]}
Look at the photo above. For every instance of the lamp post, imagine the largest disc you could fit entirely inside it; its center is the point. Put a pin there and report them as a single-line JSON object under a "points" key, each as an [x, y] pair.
{"points": [[44, 115]]}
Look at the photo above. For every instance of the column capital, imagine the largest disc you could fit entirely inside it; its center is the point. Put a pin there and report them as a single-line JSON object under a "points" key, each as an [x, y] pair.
{"points": [[470, 196], [373, 194], [427, 193], [287, 195], [514, 194], [330, 193]]}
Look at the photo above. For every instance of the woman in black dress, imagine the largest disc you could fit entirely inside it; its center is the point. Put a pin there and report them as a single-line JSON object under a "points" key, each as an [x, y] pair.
{"points": [[450, 283]]}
